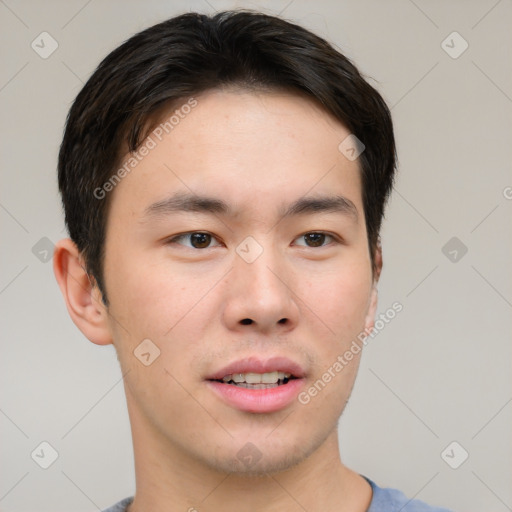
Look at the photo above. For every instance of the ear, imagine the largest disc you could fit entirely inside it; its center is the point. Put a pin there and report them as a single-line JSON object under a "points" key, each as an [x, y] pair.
{"points": [[372, 308], [83, 298]]}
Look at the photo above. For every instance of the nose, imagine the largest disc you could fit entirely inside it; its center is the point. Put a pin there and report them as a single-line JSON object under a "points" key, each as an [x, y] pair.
{"points": [[260, 296]]}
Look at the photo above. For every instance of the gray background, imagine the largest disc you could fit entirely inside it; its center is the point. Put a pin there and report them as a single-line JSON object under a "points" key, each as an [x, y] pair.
{"points": [[438, 373]]}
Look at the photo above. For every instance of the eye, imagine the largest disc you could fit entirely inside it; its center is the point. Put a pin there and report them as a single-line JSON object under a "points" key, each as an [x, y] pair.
{"points": [[314, 239], [194, 240]]}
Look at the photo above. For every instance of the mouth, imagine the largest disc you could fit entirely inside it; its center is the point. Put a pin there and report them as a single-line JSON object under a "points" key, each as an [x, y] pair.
{"points": [[251, 380], [257, 386]]}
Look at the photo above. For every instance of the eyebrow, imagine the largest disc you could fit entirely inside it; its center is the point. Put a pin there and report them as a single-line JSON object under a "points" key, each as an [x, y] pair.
{"points": [[187, 202]]}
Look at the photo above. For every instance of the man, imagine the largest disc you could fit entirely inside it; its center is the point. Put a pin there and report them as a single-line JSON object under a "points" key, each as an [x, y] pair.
{"points": [[224, 181]]}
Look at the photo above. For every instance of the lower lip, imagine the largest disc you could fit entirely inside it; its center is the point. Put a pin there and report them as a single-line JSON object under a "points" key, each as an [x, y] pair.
{"points": [[258, 400]]}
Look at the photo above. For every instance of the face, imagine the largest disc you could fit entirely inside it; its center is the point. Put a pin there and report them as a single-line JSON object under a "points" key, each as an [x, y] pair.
{"points": [[238, 247]]}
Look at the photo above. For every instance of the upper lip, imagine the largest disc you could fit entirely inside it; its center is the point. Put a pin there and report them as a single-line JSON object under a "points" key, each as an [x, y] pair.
{"points": [[255, 365]]}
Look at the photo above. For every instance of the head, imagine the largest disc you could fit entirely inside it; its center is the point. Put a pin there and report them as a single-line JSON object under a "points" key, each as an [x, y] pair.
{"points": [[214, 210]]}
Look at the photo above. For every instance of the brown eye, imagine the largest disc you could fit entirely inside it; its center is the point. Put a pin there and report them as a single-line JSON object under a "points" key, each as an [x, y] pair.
{"points": [[195, 240], [200, 240], [314, 239]]}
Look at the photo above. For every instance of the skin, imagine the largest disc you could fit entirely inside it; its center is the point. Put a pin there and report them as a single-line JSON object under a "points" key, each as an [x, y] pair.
{"points": [[258, 152]]}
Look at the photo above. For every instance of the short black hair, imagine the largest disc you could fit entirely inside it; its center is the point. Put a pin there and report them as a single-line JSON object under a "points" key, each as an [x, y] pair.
{"points": [[190, 54]]}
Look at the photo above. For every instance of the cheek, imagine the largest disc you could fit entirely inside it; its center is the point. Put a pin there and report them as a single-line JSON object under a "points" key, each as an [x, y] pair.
{"points": [[140, 301], [155, 303], [341, 300]]}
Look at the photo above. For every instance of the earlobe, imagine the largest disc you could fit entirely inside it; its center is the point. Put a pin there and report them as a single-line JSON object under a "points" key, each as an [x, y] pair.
{"points": [[80, 293], [372, 308]]}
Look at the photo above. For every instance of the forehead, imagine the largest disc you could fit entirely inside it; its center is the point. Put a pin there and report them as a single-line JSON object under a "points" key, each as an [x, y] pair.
{"points": [[248, 148]]}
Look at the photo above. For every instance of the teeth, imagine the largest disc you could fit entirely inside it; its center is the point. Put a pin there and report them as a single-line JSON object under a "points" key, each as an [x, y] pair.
{"points": [[270, 378], [257, 386], [253, 378], [256, 378]]}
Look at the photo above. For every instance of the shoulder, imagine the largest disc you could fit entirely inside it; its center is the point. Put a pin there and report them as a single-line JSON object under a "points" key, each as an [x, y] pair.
{"points": [[393, 500], [383, 500], [120, 506]]}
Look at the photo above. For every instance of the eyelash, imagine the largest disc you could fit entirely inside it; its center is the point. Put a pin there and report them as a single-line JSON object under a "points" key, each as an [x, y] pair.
{"points": [[177, 238]]}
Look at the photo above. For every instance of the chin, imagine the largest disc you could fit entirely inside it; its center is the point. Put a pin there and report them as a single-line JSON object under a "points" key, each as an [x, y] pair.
{"points": [[261, 458]]}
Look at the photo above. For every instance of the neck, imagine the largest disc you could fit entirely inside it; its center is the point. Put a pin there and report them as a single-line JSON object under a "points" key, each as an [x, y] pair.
{"points": [[167, 479]]}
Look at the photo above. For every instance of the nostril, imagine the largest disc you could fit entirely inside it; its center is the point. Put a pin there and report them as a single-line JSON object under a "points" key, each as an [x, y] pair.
{"points": [[246, 321], [283, 321]]}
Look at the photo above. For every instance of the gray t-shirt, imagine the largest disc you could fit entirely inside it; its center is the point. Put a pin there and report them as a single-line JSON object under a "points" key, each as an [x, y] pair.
{"points": [[383, 500]]}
